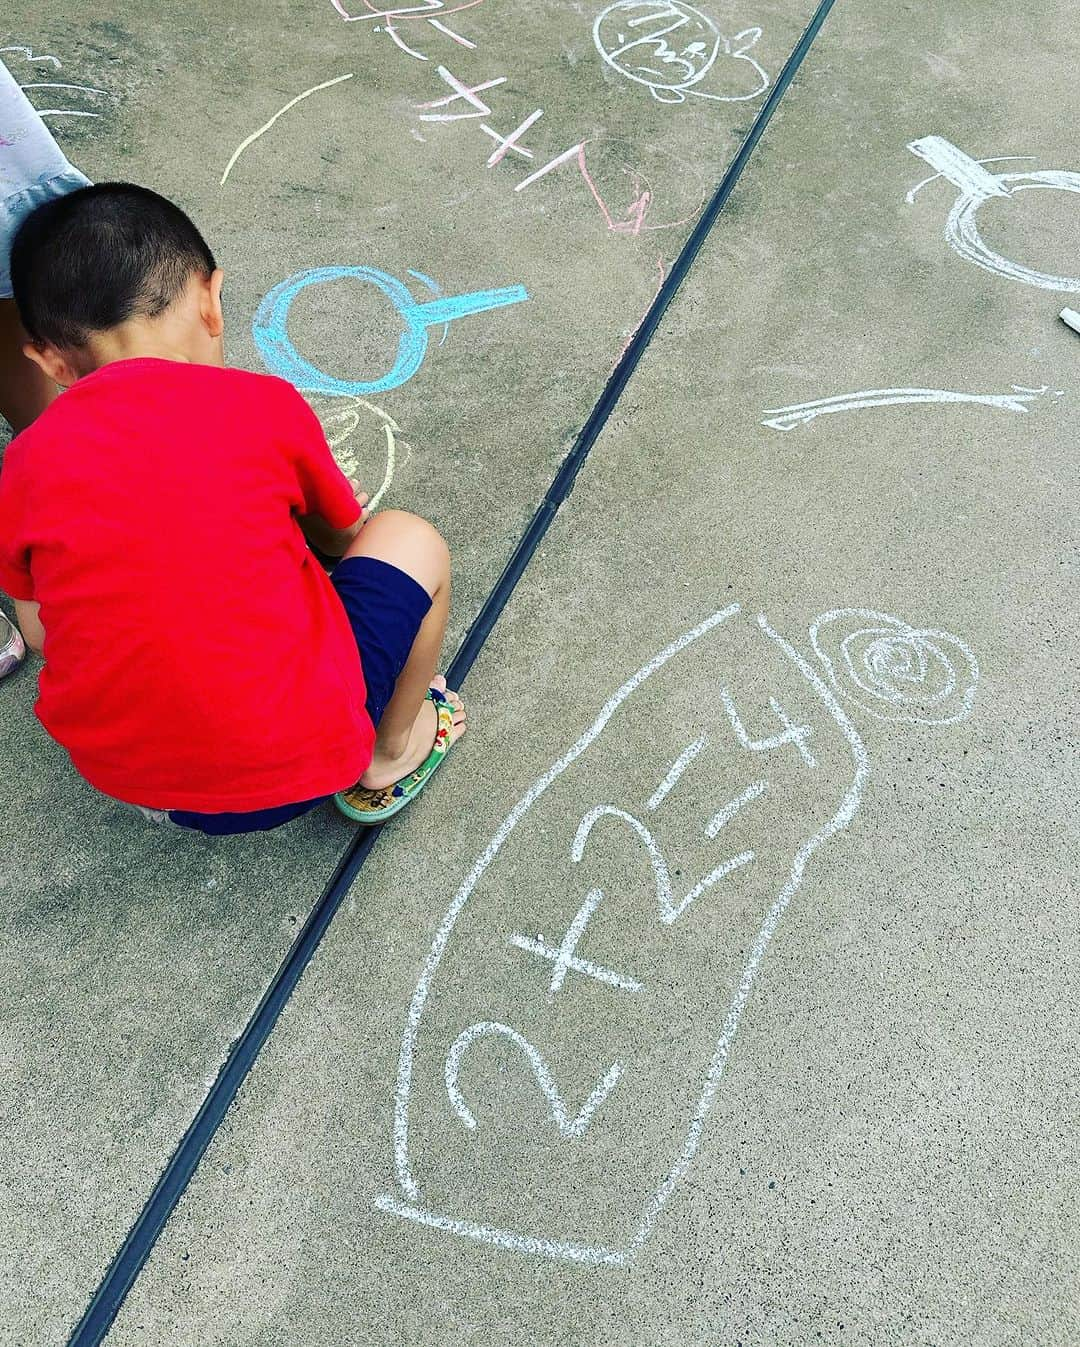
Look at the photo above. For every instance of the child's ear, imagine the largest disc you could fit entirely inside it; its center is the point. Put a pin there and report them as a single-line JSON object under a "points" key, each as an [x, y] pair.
{"points": [[52, 361], [210, 304]]}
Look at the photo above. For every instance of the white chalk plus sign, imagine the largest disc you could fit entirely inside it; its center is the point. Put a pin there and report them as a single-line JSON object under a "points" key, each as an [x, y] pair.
{"points": [[565, 959]]}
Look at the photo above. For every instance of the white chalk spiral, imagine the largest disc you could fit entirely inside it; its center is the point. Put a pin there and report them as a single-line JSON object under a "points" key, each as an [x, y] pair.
{"points": [[894, 671]]}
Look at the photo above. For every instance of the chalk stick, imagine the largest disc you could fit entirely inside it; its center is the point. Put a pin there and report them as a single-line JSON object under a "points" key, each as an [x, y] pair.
{"points": [[1070, 318]]}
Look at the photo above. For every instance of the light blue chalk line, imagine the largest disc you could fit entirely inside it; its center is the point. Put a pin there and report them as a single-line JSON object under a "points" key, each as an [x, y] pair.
{"points": [[270, 324], [435, 289]]}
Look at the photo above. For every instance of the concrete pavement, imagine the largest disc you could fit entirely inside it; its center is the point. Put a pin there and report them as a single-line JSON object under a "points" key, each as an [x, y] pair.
{"points": [[831, 828], [135, 959]]}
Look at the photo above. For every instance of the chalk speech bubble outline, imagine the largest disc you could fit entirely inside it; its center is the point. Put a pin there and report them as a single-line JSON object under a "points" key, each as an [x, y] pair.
{"points": [[410, 1204]]}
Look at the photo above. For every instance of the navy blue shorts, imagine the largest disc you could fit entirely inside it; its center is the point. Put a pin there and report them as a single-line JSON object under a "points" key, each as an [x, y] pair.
{"points": [[385, 608]]}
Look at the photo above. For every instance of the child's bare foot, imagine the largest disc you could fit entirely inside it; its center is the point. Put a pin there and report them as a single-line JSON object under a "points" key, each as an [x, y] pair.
{"points": [[386, 768]]}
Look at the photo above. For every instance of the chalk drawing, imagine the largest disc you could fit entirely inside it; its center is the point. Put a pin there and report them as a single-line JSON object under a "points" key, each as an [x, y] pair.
{"points": [[510, 142], [572, 962], [436, 289], [67, 111], [618, 164], [802, 413], [723, 817], [572, 938], [79, 107], [893, 671], [442, 936], [445, 109], [841, 818], [568, 1127], [250, 140], [1000, 159], [454, 37], [388, 475], [670, 910], [469, 93], [791, 734], [606, 160], [563, 158], [635, 214], [340, 417], [398, 41], [460, 90], [270, 327], [884, 662], [420, 11], [675, 772], [31, 57], [977, 186], [632, 37], [656, 294]]}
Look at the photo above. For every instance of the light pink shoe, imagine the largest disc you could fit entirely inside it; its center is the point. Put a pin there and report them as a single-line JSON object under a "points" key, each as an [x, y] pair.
{"points": [[12, 648]]}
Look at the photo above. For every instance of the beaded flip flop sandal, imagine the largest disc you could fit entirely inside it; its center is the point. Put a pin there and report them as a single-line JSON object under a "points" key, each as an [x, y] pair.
{"points": [[375, 806]]}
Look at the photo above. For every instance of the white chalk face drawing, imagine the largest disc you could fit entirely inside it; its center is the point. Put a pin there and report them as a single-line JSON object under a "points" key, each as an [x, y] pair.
{"points": [[977, 185], [566, 1040], [671, 48]]}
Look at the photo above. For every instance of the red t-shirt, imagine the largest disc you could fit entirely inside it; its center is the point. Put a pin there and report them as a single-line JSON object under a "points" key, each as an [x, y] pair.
{"points": [[196, 655]]}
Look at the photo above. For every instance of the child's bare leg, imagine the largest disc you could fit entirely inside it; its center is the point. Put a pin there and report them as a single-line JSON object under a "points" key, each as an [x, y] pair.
{"points": [[407, 729], [25, 392]]}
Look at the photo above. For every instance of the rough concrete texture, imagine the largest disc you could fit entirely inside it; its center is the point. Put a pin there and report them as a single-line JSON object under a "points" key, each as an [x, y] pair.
{"points": [[135, 958], [129, 963], [890, 1154]]}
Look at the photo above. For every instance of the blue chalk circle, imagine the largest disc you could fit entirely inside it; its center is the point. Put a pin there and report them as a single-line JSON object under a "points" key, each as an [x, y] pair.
{"points": [[269, 327]]}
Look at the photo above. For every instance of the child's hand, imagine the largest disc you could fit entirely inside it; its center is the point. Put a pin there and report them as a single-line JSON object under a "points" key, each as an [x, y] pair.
{"points": [[362, 499]]}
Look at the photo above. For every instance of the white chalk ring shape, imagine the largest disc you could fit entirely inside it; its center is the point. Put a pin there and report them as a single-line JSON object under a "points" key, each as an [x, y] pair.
{"points": [[963, 234]]}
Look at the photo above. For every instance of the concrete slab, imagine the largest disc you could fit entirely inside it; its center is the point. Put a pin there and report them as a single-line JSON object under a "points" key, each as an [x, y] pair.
{"points": [[136, 958], [131, 960], [842, 1110]]}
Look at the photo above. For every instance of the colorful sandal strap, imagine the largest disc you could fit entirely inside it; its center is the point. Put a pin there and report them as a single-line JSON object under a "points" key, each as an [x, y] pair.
{"points": [[371, 806]]}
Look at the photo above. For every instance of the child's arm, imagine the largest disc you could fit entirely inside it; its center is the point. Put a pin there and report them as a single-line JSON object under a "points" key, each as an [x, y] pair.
{"points": [[26, 614], [327, 539], [331, 509]]}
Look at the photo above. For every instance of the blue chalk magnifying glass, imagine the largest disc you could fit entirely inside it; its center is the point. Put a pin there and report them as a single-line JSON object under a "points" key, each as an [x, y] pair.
{"points": [[270, 327]]}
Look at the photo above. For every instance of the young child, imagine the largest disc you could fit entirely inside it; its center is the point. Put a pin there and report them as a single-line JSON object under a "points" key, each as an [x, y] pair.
{"points": [[33, 169], [154, 522]]}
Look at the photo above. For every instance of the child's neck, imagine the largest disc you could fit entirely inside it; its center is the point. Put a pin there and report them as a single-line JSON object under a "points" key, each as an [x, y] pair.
{"points": [[139, 339]]}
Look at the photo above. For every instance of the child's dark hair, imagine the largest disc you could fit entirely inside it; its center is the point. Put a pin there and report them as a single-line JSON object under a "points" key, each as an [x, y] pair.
{"points": [[90, 260]]}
